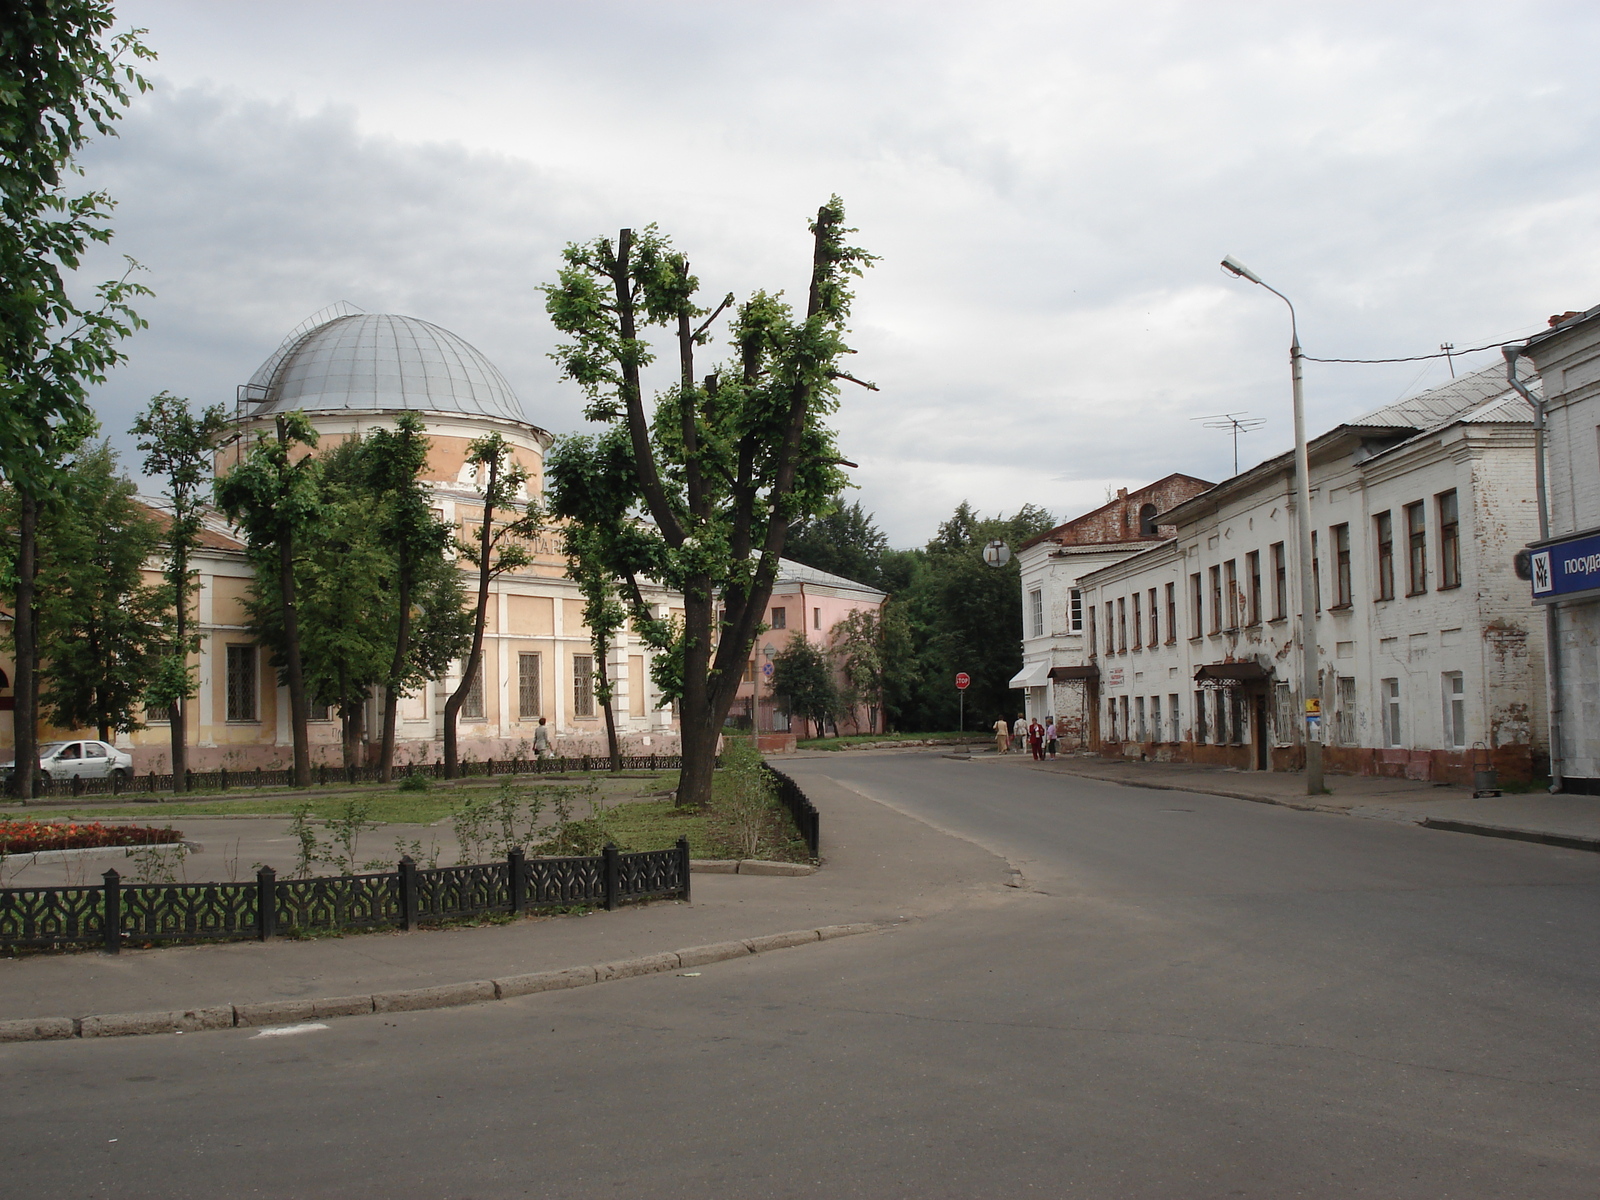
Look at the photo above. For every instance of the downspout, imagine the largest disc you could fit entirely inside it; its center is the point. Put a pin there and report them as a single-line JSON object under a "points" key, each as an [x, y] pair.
{"points": [[1552, 610]]}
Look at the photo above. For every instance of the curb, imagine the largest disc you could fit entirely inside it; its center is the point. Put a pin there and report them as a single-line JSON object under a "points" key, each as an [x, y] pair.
{"points": [[448, 995], [1568, 841], [1302, 806], [747, 866], [31, 857]]}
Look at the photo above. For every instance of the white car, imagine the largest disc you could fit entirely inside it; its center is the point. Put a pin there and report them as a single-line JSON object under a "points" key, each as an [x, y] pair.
{"points": [[85, 760]]}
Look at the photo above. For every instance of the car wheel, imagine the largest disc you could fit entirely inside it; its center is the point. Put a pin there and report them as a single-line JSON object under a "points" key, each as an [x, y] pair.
{"points": [[122, 773]]}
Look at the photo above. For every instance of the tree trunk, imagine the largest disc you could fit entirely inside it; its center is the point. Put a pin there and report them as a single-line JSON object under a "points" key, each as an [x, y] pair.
{"points": [[697, 712], [26, 712], [292, 667], [611, 719], [452, 706], [177, 714], [699, 746], [391, 692]]}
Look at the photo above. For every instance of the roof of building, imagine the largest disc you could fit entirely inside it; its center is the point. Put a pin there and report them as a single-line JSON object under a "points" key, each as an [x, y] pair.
{"points": [[376, 362], [790, 571], [1089, 529]]}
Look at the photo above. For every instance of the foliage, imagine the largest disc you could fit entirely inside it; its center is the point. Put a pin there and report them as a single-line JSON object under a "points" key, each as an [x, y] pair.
{"points": [[748, 798], [803, 683], [842, 540], [100, 626], [858, 650], [722, 466], [591, 562], [35, 837]]}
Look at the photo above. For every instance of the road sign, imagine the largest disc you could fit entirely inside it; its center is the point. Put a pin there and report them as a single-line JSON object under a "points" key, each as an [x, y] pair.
{"points": [[963, 680]]}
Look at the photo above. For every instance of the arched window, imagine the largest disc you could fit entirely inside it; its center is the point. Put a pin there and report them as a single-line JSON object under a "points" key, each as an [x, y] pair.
{"points": [[1147, 520]]}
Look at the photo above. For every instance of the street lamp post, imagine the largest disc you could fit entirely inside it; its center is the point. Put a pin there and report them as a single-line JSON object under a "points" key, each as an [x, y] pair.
{"points": [[1310, 685]]}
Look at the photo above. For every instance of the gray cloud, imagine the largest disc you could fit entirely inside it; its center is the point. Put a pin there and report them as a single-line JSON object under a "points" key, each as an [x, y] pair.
{"points": [[1050, 188]]}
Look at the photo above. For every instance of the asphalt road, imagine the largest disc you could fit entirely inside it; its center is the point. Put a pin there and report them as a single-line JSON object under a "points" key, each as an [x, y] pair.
{"points": [[1189, 996]]}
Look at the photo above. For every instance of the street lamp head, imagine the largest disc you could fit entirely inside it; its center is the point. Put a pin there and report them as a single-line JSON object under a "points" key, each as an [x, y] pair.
{"points": [[1234, 267]]}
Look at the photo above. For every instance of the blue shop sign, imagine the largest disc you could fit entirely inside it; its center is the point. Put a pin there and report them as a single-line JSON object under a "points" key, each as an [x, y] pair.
{"points": [[1566, 570]]}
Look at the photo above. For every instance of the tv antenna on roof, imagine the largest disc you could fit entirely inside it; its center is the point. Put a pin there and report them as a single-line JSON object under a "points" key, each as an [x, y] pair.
{"points": [[1235, 423]]}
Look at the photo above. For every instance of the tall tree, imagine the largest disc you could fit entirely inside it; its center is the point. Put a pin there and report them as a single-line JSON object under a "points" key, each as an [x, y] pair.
{"points": [[272, 494], [803, 682], [590, 564], [502, 481], [857, 647], [723, 466], [178, 446], [101, 629], [63, 77], [843, 541]]}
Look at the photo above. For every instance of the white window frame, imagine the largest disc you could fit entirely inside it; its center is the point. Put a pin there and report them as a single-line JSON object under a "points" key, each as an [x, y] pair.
{"points": [[1454, 687], [1036, 612]]}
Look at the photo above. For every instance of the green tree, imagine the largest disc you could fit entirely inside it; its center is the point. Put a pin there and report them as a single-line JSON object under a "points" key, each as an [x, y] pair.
{"points": [[178, 446], [272, 494], [723, 466], [843, 541], [803, 683], [101, 628], [63, 77], [856, 646], [499, 548]]}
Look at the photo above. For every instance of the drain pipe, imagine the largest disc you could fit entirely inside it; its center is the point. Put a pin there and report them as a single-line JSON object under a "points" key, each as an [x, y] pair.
{"points": [[1552, 610]]}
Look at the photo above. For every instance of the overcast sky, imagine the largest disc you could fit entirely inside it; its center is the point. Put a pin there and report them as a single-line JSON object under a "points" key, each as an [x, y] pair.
{"points": [[1050, 188]]}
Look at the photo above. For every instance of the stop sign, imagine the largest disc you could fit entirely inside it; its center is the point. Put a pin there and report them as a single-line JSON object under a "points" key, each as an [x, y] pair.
{"points": [[963, 680]]}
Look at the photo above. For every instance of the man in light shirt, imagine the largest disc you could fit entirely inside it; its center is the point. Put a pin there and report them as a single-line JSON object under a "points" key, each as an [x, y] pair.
{"points": [[1019, 734]]}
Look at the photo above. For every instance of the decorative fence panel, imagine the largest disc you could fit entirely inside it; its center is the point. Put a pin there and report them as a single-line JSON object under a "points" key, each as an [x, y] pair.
{"points": [[806, 817], [118, 913]]}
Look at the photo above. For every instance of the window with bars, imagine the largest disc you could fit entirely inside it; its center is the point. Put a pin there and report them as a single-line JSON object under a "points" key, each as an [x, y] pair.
{"points": [[528, 686], [1344, 713], [583, 683], [242, 683], [1283, 717], [472, 703], [1383, 532], [1449, 541], [158, 714], [1417, 549]]}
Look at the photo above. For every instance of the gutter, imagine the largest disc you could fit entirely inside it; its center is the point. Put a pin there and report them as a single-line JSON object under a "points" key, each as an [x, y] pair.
{"points": [[1552, 611]]}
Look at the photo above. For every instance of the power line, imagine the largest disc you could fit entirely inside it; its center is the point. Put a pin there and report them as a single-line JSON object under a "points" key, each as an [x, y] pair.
{"points": [[1451, 352]]}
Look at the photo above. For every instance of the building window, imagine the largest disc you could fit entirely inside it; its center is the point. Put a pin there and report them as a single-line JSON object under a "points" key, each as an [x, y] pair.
{"points": [[1230, 573], [1075, 611], [1216, 599], [1196, 617], [472, 703], [1280, 583], [750, 670], [1344, 716], [1122, 625], [1174, 716], [1316, 574], [1341, 550], [583, 683], [1147, 521], [1284, 723], [780, 618], [1122, 717], [242, 683], [1172, 616], [1389, 695], [1138, 622], [1383, 530], [1252, 566], [1155, 719], [1111, 628], [1035, 613], [158, 714], [1094, 637], [528, 686], [816, 618], [1111, 718], [1455, 709], [1220, 731], [1449, 541], [319, 712], [1200, 718], [1155, 632], [1417, 549]]}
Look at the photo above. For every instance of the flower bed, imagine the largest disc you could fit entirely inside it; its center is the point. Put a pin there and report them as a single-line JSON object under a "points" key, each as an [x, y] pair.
{"points": [[32, 837]]}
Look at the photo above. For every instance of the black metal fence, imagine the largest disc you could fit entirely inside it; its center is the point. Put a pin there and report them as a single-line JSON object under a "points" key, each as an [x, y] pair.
{"points": [[113, 914], [324, 775], [806, 817]]}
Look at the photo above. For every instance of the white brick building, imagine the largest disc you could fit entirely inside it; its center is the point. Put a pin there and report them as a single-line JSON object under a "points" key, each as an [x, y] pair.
{"points": [[1426, 636]]}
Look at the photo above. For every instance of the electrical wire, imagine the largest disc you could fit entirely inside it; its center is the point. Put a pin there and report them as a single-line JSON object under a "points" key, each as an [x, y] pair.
{"points": [[1412, 358]]}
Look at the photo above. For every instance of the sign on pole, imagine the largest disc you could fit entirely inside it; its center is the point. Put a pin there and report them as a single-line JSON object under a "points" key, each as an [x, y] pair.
{"points": [[963, 680]]}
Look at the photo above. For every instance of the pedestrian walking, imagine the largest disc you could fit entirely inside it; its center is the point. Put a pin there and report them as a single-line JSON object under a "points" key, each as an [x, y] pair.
{"points": [[541, 740], [1036, 740], [1019, 733], [1002, 736], [1050, 737]]}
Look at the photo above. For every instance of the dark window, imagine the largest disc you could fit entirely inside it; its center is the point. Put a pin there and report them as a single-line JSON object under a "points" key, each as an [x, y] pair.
{"points": [[1216, 599], [1230, 573], [156, 714], [1280, 583], [780, 618], [1252, 563], [1172, 615], [1122, 625], [1147, 520], [1138, 622], [1197, 616], [583, 683], [1316, 573], [1155, 624], [1341, 548], [816, 618], [1199, 718], [1383, 529], [1417, 549], [1449, 541], [527, 686], [1091, 635], [1075, 611], [242, 683]]}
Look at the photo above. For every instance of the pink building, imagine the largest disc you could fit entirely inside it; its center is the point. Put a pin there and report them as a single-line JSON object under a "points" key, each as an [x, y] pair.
{"points": [[809, 602]]}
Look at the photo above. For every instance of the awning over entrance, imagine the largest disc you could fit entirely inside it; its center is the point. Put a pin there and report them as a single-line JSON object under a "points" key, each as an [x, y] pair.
{"points": [[1065, 673], [1232, 673], [1032, 675]]}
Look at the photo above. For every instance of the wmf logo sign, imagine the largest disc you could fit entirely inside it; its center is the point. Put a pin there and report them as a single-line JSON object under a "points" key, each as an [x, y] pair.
{"points": [[1542, 583]]}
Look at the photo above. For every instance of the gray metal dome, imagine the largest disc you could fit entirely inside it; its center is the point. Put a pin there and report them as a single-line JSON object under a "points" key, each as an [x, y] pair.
{"points": [[377, 361]]}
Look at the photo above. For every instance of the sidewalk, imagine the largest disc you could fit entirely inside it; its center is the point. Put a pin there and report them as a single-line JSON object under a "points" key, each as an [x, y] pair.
{"points": [[1563, 819], [879, 867]]}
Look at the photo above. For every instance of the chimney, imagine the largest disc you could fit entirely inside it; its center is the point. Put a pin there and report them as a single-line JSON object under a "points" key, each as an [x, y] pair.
{"points": [[1560, 317]]}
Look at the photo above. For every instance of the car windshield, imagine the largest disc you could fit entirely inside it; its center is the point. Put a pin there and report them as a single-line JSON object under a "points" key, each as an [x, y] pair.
{"points": [[49, 748]]}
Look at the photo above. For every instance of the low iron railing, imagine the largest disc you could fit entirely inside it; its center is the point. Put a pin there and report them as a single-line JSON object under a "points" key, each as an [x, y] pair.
{"points": [[806, 817], [113, 913], [324, 775]]}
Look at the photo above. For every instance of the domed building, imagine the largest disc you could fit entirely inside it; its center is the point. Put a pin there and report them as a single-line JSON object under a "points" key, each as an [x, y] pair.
{"points": [[352, 372]]}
